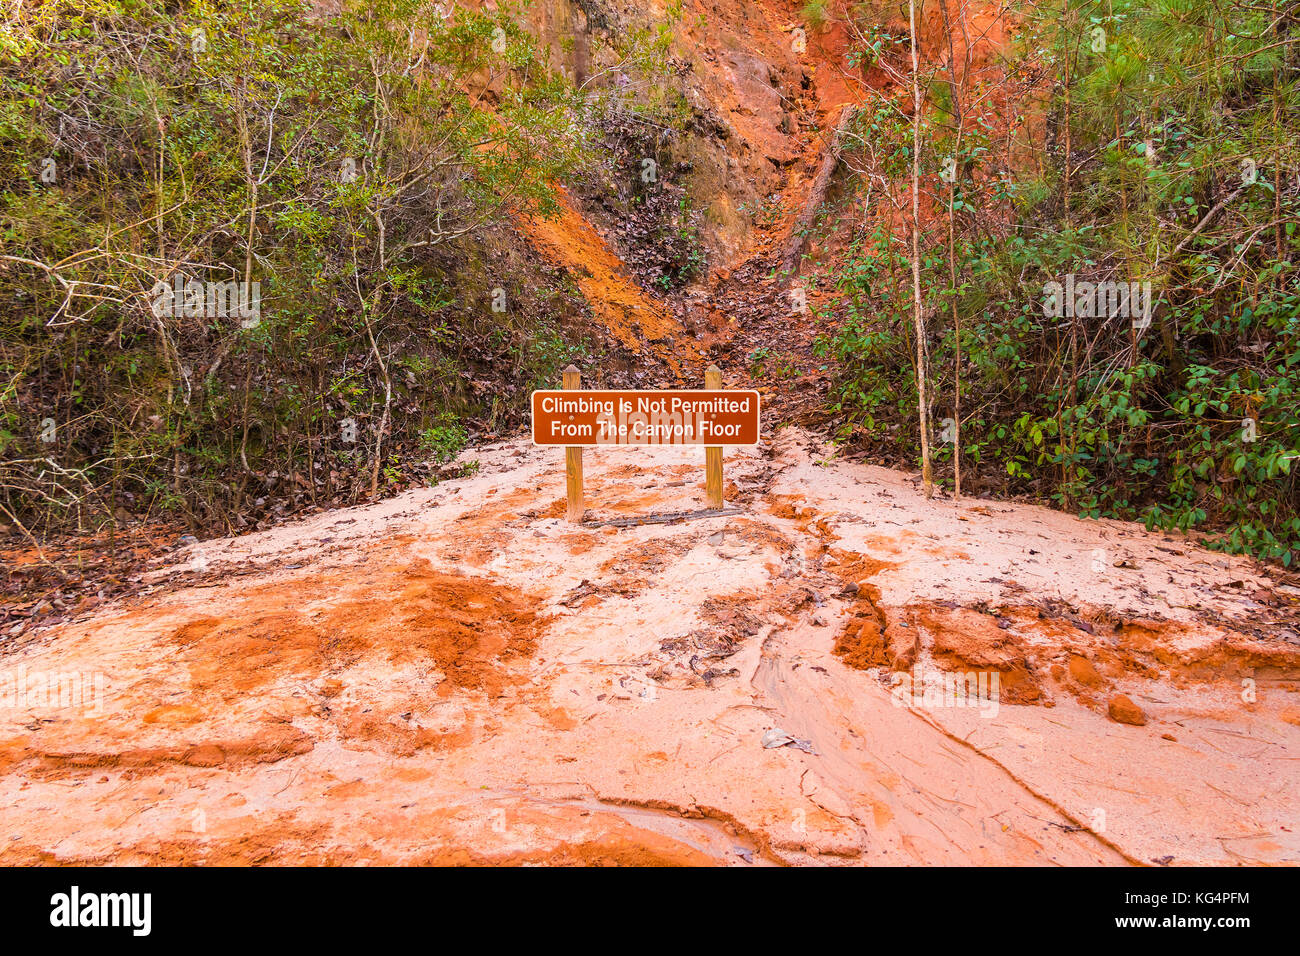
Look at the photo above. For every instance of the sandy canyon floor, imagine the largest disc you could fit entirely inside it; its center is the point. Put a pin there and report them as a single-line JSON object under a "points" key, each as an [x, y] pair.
{"points": [[458, 675]]}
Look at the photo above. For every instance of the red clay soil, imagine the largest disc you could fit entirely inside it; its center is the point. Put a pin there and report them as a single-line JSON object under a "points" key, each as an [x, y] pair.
{"points": [[351, 689]]}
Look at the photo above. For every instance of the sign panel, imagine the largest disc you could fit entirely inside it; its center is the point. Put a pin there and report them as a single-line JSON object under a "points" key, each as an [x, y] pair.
{"points": [[579, 417]]}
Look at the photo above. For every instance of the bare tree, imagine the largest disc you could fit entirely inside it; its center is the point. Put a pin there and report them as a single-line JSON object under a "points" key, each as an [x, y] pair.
{"points": [[918, 308]]}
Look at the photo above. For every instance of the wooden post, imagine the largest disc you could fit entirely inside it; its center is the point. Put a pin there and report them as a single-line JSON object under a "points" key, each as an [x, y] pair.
{"points": [[573, 457], [713, 453]]}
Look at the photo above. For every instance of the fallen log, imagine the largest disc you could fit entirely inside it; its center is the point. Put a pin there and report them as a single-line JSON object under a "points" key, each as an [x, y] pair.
{"points": [[821, 184]]}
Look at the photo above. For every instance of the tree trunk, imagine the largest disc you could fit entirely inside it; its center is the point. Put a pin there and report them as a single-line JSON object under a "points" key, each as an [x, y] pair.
{"points": [[821, 184], [922, 398]]}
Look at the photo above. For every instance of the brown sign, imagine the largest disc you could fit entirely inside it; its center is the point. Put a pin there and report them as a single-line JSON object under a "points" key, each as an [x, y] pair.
{"points": [[579, 417]]}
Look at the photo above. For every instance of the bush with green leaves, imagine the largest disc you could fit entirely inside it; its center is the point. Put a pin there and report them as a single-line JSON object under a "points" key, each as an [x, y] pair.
{"points": [[363, 169], [1183, 121]]}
